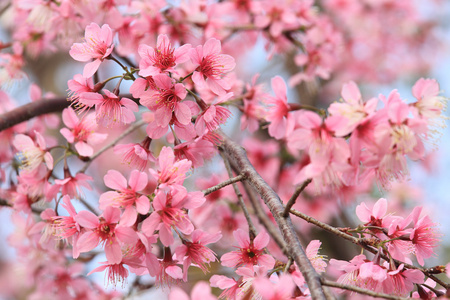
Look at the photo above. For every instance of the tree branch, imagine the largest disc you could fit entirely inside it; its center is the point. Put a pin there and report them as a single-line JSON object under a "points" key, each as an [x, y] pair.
{"points": [[251, 227], [238, 158], [223, 184], [359, 290], [294, 197], [31, 110]]}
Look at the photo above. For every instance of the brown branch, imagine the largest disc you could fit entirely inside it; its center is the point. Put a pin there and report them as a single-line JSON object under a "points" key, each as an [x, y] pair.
{"points": [[359, 290], [251, 227], [238, 158], [223, 184], [363, 244], [265, 221], [31, 110], [294, 197]]}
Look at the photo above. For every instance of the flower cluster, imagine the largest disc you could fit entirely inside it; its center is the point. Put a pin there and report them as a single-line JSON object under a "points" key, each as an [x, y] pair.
{"points": [[160, 217]]}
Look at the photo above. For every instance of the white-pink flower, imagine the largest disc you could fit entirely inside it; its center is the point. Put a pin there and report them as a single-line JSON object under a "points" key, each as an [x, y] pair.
{"points": [[125, 195], [32, 154], [81, 132], [98, 45]]}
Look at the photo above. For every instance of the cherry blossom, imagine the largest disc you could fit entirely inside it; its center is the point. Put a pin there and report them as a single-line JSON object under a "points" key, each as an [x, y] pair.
{"points": [[162, 59], [98, 45], [250, 252], [211, 65]]}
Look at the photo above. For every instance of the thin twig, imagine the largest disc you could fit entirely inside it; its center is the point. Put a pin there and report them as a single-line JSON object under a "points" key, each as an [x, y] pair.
{"points": [[251, 227], [130, 129], [294, 197], [363, 244], [223, 184], [359, 290]]}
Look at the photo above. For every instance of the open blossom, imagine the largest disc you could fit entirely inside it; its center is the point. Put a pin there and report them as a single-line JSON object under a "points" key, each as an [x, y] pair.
{"points": [[424, 236], [71, 185], [374, 216], [165, 101], [212, 117], [162, 59], [351, 109], [31, 154], [196, 252], [230, 286], [429, 104], [201, 290], [106, 230], [77, 86], [110, 110], [172, 171], [169, 212], [401, 281], [116, 272], [196, 151], [328, 155], [250, 253], [98, 45], [277, 113], [282, 289], [136, 155], [211, 66], [81, 132], [125, 195], [65, 227]]}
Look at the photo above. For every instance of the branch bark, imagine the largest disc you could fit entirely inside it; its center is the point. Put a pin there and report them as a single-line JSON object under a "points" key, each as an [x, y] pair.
{"points": [[31, 110], [238, 158]]}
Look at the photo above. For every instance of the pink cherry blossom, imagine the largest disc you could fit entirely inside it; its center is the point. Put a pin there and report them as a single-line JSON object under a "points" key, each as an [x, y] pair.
{"points": [[279, 110], [32, 155], [171, 171], [165, 101], [250, 253], [196, 252], [211, 118], [352, 109], [81, 132], [116, 272], [401, 281], [105, 230], [211, 66], [71, 185], [168, 212], [66, 227], [201, 290], [374, 216], [136, 155], [282, 289], [429, 104], [98, 45], [162, 59], [125, 195], [424, 236], [77, 86], [196, 151], [168, 271], [110, 110]]}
